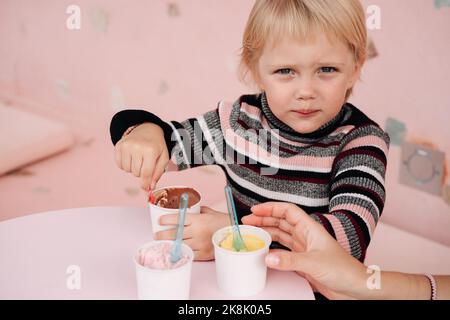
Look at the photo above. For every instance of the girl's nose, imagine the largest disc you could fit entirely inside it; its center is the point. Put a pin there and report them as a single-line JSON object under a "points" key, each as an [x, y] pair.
{"points": [[304, 89]]}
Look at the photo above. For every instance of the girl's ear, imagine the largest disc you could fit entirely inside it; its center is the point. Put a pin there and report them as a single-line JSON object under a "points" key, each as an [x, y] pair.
{"points": [[356, 73], [257, 79]]}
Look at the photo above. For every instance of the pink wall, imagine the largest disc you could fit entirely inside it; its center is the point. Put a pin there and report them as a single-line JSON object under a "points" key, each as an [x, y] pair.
{"points": [[410, 81], [141, 48], [136, 54]]}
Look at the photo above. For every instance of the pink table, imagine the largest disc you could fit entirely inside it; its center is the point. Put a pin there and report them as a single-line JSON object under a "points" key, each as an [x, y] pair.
{"points": [[37, 253]]}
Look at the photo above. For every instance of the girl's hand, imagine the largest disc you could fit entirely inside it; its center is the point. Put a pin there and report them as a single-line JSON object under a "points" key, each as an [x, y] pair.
{"points": [[144, 153], [198, 230]]}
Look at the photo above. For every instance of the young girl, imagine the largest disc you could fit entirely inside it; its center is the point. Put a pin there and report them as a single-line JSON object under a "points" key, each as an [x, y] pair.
{"points": [[298, 140]]}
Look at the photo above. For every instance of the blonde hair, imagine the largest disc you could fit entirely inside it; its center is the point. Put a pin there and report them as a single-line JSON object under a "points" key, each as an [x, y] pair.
{"points": [[272, 19]]}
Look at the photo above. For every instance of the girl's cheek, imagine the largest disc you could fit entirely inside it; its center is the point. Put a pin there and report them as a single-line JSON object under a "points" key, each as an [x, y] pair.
{"points": [[335, 87]]}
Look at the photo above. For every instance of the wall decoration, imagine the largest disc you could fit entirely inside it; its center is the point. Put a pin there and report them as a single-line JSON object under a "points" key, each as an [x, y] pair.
{"points": [[422, 168], [132, 191], [396, 130], [116, 98], [446, 194], [62, 88], [99, 19], [372, 51], [163, 87], [438, 4], [173, 10], [88, 142], [42, 190]]}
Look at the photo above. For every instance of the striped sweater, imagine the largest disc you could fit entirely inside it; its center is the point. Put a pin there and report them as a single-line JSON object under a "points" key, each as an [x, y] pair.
{"points": [[335, 174]]}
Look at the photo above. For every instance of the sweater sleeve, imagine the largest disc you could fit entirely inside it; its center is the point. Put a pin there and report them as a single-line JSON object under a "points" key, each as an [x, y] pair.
{"points": [[357, 192], [189, 142]]}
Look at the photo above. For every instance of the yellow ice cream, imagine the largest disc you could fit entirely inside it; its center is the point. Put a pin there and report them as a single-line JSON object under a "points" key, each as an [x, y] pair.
{"points": [[251, 241]]}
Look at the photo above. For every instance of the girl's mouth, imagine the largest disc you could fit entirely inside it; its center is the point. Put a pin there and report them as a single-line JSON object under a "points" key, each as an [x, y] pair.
{"points": [[306, 113]]}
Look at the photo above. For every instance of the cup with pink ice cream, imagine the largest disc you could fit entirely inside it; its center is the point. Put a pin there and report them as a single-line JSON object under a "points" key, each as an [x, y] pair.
{"points": [[167, 201], [157, 277]]}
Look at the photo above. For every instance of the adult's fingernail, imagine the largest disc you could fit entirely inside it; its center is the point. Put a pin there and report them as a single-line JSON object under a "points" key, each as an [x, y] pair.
{"points": [[272, 260]]}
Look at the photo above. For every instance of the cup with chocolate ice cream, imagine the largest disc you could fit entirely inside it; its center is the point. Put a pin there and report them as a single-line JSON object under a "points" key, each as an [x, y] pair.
{"points": [[167, 201]]}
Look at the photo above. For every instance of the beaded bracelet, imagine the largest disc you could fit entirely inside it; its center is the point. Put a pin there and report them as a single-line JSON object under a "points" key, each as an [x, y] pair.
{"points": [[433, 286]]}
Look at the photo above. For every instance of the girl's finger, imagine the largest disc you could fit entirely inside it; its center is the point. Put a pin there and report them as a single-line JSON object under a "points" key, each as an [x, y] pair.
{"points": [[126, 161], [118, 155], [260, 221], [160, 167], [166, 234], [148, 164], [280, 236], [195, 246], [136, 165], [172, 219]]}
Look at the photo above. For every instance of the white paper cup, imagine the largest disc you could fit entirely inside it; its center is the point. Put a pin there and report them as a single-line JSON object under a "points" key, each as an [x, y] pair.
{"points": [[167, 284], [241, 274], [156, 211]]}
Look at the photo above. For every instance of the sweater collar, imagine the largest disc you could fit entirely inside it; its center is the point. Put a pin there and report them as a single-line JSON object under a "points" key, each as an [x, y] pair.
{"points": [[287, 132]]}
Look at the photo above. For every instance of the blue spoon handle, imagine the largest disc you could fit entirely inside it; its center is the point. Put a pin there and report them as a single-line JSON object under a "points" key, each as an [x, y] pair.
{"points": [[238, 243], [175, 254], [231, 207]]}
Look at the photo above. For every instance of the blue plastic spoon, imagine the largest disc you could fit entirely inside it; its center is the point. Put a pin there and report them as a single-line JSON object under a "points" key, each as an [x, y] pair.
{"points": [[238, 243], [175, 254]]}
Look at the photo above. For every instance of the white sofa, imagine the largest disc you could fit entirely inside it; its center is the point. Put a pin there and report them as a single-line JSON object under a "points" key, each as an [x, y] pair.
{"points": [[26, 137]]}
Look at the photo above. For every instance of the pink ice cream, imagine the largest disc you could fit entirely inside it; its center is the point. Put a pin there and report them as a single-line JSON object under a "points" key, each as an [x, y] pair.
{"points": [[158, 257]]}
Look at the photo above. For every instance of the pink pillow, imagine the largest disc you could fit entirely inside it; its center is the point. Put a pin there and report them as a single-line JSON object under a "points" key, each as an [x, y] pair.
{"points": [[25, 137]]}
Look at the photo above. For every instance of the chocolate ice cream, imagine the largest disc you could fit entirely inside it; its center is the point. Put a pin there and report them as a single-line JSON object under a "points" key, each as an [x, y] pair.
{"points": [[170, 197]]}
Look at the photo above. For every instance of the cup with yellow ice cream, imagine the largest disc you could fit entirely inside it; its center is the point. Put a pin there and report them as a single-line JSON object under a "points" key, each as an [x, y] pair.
{"points": [[243, 273]]}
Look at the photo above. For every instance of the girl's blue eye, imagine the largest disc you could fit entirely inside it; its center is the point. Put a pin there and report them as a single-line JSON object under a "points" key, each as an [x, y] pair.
{"points": [[328, 69], [284, 71]]}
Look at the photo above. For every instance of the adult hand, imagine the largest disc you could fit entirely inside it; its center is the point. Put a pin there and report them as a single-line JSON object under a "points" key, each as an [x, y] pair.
{"points": [[315, 254]]}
